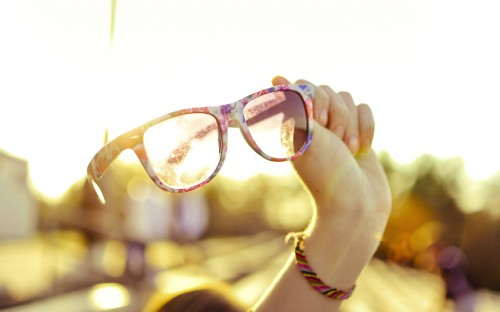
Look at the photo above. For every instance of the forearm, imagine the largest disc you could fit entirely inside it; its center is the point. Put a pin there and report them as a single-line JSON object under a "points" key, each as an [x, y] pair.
{"points": [[337, 258]]}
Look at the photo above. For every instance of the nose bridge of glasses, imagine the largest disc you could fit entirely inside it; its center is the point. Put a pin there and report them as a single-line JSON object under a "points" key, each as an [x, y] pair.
{"points": [[229, 112]]}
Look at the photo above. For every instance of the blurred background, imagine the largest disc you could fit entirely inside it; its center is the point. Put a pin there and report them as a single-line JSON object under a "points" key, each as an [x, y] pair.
{"points": [[71, 72]]}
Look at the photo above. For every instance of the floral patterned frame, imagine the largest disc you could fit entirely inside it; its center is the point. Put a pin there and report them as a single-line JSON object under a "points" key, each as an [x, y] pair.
{"points": [[228, 115]]}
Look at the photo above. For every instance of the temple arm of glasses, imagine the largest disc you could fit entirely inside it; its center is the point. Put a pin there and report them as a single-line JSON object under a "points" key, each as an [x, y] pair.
{"points": [[106, 155]]}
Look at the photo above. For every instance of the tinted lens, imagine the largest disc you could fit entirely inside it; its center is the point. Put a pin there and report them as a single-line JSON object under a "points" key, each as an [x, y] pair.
{"points": [[183, 150], [278, 123]]}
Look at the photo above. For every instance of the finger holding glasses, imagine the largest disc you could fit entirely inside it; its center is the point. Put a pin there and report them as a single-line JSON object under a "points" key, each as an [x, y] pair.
{"points": [[334, 166], [352, 123]]}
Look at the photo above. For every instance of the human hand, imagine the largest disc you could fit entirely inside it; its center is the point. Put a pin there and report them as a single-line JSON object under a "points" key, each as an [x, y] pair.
{"points": [[352, 202], [340, 169]]}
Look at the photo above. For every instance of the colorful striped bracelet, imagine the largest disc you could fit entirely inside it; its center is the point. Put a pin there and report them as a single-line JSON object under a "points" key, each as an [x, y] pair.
{"points": [[312, 277]]}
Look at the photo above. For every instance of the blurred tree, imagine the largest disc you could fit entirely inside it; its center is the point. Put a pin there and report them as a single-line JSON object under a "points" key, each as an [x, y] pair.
{"points": [[257, 204], [438, 183], [427, 216], [481, 244], [490, 195], [423, 192]]}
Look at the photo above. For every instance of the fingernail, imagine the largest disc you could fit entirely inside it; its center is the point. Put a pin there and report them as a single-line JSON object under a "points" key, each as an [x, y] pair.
{"points": [[353, 144], [323, 117], [365, 145], [278, 80]]}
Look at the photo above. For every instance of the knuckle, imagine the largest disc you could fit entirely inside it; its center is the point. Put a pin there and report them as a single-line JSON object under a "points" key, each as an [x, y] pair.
{"points": [[345, 94], [303, 81], [327, 88], [342, 110], [321, 97]]}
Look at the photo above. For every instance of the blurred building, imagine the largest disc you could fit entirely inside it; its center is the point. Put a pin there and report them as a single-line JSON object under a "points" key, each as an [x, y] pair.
{"points": [[18, 208]]}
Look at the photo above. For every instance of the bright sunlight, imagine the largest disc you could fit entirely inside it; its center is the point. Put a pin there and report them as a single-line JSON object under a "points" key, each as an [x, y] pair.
{"points": [[63, 84]]}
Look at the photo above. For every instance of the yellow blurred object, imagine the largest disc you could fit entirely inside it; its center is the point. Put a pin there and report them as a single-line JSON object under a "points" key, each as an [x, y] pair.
{"points": [[178, 280], [424, 236], [164, 254], [139, 189], [114, 258], [29, 267], [109, 296]]}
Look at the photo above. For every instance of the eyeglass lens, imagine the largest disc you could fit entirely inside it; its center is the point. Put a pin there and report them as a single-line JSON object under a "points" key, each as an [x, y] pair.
{"points": [[183, 150], [277, 122]]}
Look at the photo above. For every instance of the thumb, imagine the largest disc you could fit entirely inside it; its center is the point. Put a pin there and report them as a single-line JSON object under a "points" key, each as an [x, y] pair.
{"points": [[279, 80]]}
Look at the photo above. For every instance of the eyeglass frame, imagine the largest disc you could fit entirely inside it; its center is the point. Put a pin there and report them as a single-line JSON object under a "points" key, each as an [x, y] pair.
{"points": [[227, 115]]}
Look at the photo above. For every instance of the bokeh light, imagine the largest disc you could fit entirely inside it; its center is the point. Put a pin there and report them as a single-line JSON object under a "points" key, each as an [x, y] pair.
{"points": [[109, 296]]}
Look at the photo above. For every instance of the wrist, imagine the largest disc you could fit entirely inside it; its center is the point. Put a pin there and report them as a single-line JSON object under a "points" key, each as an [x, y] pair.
{"points": [[310, 275], [339, 248]]}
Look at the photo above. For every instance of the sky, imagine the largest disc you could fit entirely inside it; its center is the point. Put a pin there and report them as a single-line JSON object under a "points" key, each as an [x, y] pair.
{"points": [[429, 69]]}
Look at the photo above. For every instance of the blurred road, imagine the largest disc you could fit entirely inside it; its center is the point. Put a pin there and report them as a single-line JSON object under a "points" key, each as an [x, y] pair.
{"points": [[41, 268]]}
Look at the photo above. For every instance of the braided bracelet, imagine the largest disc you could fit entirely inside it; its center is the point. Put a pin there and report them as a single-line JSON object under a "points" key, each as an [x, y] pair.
{"points": [[312, 277]]}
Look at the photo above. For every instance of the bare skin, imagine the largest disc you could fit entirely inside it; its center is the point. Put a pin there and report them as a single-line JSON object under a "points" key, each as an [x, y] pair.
{"points": [[352, 203]]}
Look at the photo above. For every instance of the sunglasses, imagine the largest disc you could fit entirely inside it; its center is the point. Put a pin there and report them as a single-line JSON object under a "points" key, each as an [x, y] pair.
{"points": [[184, 150]]}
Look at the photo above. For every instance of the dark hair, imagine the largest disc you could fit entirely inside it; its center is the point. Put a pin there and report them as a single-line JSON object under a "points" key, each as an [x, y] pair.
{"points": [[206, 299]]}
